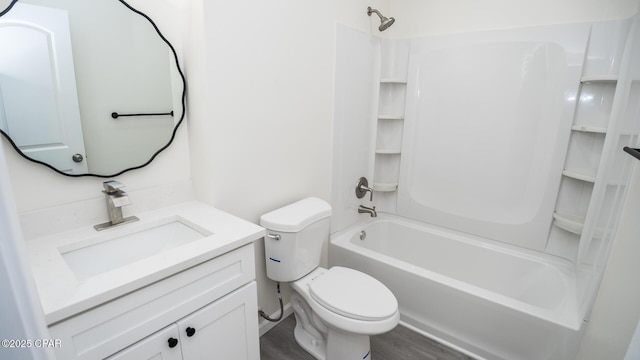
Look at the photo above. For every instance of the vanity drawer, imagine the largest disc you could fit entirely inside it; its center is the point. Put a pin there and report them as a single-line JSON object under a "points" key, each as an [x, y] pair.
{"points": [[108, 328]]}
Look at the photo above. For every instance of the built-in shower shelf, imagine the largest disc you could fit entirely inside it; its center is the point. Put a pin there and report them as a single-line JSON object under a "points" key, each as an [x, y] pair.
{"points": [[579, 176], [570, 223], [385, 187], [599, 78], [389, 124], [390, 117], [393, 81], [590, 129], [388, 151]]}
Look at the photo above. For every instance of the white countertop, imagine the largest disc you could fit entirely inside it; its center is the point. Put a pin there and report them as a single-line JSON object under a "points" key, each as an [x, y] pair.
{"points": [[63, 295]]}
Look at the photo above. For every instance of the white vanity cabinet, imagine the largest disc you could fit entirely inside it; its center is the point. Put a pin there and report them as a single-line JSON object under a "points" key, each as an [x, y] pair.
{"points": [[215, 302], [155, 346], [224, 329]]}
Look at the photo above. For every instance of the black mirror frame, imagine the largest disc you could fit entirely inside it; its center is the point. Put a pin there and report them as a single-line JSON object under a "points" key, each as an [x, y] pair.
{"points": [[175, 129]]}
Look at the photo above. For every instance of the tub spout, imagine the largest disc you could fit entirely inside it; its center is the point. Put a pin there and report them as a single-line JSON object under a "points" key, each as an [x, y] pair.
{"points": [[367, 210]]}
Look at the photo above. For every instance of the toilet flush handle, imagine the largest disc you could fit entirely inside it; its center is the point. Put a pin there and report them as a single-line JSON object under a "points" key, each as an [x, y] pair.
{"points": [[274, 236]]}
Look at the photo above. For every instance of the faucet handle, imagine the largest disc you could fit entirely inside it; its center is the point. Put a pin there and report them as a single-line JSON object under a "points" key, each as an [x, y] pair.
{"points": [[112, 186], [362, 187]]}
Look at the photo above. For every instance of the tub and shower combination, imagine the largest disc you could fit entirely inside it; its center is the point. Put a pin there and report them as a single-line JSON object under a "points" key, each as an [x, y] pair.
{"points": [[480, 297], [488, 233]]}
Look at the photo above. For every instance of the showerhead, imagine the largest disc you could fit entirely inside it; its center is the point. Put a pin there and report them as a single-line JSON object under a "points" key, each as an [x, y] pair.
{"points": [[385, 22]]}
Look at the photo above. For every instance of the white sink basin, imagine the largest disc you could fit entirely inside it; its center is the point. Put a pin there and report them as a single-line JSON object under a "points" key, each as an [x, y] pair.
{"points": [[127, 245], [81, 268]]}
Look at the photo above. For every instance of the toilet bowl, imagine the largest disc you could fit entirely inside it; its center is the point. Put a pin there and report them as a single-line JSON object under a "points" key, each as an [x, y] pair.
{"points": [[336, 309], [349, 300]]}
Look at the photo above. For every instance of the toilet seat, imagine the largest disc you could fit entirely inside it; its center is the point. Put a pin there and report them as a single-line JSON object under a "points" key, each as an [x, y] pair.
{"points": [[353, 294], [333, 319]]}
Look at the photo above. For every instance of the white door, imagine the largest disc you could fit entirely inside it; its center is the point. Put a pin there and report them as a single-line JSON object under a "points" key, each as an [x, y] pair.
{"points": [[163, 344], [38, 95], [224, 329]]}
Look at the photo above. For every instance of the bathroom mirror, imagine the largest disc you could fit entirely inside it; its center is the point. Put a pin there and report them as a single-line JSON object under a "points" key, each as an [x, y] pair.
{"points": [[87, 88]]}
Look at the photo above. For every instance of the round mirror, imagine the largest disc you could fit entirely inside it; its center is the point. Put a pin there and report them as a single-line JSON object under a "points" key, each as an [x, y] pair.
{"points": [[87, 88]]}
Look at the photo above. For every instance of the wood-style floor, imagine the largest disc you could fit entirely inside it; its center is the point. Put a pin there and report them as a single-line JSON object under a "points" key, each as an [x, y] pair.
{"points": [[398, 344]]}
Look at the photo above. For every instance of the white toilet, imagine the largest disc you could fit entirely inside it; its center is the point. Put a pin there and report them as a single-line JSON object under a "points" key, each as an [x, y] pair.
{"points": [[337, 309]]}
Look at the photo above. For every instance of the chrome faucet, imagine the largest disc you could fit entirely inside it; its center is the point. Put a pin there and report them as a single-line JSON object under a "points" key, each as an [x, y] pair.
{"points": [[367, 210], [116, 198]]}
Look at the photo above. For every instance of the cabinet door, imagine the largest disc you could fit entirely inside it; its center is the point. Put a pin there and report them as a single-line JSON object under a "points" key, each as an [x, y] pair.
{"points": [[225, 329], [162, 345]]}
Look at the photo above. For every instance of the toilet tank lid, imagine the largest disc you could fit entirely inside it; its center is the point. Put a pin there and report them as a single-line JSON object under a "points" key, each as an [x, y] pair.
{"points": [[295, 217]]}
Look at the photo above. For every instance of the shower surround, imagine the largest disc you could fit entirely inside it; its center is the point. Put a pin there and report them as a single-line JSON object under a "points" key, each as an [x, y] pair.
{"points": [[511, 138]]}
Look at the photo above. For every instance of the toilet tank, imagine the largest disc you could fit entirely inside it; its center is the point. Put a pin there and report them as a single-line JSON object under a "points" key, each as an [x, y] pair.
{"points": [[295, 235]]}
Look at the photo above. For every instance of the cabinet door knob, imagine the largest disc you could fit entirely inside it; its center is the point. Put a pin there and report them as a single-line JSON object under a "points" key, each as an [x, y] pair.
{"points": [[190, 331], [172, 342]]}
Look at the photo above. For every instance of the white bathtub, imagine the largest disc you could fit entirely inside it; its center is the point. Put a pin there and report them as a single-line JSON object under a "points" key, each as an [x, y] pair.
{"points": [[486, 299]]}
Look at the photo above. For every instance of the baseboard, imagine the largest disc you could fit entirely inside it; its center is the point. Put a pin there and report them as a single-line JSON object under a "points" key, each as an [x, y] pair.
{"points": [[266, 325]]}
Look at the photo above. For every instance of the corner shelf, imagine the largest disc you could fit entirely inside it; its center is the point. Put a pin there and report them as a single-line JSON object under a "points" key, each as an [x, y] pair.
{"points": [[388, 151], [390, 117], [391, 102], [385, 187], [388, 139], [588, 132], [589, 129], [393, 81], [579, 176], [599, 78], [570, 223]]}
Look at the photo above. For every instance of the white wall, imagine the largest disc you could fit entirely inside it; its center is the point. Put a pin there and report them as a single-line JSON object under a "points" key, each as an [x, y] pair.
{"points": [[264, 137], [261, 116], [358, 56], [429, 17]]}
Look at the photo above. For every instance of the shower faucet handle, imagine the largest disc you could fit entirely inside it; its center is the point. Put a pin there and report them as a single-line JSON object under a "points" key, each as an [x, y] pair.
{"points": [[362, 188]]}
